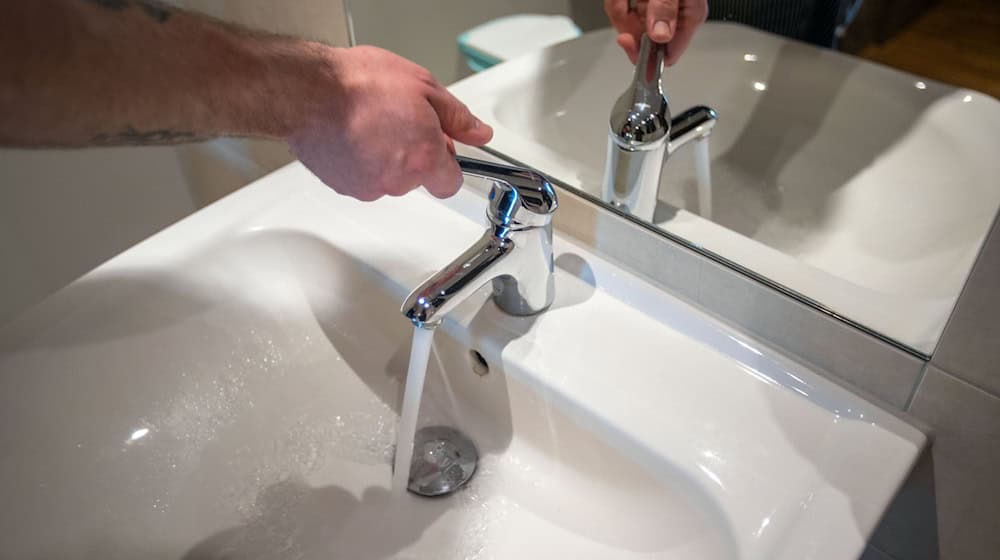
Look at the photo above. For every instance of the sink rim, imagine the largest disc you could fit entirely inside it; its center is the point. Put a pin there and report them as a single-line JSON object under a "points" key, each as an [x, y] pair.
{"points": [[293, 192]]}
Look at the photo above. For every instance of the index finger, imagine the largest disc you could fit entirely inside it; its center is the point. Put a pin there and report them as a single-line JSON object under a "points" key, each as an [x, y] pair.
{"points": [[624, 19], [457, 121]]}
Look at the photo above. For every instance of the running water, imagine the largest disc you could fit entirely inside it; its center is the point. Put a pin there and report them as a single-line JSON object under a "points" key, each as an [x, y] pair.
{"points": [[419, 354], [703, 174]]}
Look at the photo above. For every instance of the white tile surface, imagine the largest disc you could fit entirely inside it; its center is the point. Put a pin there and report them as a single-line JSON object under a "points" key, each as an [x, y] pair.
{"points": [[867, 363], [63, 212], [966, 454], [968, 347], [909, 529]]}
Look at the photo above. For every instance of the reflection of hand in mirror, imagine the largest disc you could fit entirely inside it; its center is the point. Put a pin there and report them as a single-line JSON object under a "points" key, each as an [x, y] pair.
{"points": [[665, 21]]}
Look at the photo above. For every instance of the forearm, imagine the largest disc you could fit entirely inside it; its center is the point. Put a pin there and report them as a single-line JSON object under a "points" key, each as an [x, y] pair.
{"points": [[108, 72], [368, 123]]}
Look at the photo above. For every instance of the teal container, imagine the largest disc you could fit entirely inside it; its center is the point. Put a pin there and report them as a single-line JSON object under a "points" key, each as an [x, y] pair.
{"points": [[504, 38]]}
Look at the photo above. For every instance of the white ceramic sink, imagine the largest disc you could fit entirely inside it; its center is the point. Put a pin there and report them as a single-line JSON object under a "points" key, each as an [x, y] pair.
{"points": [[864, 188], [229, 389]]}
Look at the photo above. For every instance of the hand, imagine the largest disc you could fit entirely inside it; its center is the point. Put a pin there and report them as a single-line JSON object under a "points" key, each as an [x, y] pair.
{"points": [[383, 126], [665, 21]]}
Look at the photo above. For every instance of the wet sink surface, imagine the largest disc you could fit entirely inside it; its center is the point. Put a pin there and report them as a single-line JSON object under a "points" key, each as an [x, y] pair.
{"points": [[246, 405], [229, 389]]}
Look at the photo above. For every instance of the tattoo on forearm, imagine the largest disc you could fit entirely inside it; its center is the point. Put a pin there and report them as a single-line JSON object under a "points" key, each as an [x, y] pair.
{"points": [[155, 10], [132, 137], [116, 5], [152, 8]]}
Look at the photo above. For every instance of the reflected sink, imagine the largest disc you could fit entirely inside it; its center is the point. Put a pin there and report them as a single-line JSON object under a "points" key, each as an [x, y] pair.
{"points": [[229, 389], [862, 187]]}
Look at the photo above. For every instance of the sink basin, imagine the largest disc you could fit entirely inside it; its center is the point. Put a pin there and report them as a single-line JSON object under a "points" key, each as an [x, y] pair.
{"points": [[816, 161], [229, 389]]}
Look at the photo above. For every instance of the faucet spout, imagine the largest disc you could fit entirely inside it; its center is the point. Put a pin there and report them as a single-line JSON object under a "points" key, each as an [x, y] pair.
{"points": [[515, 252], [694, 124]]}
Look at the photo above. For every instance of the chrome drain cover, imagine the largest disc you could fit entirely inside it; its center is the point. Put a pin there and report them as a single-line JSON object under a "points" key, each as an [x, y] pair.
{"points": [[444, 459]]}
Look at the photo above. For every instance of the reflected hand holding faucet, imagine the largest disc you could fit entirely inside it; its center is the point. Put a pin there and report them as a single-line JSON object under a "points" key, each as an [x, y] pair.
{"points": [[669, 22], [642, 135]]}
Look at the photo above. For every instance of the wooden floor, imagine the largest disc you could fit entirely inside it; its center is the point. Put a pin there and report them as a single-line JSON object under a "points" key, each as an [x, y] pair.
{"points": [[956, 42]]}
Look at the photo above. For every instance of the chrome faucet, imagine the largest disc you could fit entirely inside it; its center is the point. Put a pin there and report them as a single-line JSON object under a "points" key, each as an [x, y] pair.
{"points": [[642, 136], [515, 252]]}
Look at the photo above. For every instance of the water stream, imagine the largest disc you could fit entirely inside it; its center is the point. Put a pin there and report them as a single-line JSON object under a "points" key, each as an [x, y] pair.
{"points": [[703, 174], [419, 354]]}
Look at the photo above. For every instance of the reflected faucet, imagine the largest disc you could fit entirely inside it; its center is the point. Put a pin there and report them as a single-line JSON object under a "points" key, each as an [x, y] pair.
{"points": [[643, 135], [515, 252]]}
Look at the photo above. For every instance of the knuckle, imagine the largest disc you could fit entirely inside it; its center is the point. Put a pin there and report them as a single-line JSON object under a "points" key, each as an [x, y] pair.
{"points": [[701, 11], [399, 189], [418, 165], [456, 117], [425, 77], [662, 8], [452, 118], [377, 186], [451, 180], [371, 194], [420, 159], [373, 51], [371, 190], [445, 180], [366, 195], [462, 111]]}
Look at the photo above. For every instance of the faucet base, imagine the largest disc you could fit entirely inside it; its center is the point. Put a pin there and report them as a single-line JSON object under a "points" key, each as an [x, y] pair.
{"points": [[632, 178], [510, 299]]}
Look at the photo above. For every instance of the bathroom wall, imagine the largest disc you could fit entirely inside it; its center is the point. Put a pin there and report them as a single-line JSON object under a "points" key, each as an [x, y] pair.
{"points": [[951, 504], [214, 169], [63, 212], [405, 28], [320, 20]]}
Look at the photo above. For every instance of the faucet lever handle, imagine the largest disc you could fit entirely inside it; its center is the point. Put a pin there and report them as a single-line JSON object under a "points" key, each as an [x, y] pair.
{"points": [[520, 198], [640, 118]]}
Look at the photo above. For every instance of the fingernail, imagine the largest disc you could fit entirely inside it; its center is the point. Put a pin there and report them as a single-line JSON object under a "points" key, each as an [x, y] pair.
{"points": [[661, 28]]}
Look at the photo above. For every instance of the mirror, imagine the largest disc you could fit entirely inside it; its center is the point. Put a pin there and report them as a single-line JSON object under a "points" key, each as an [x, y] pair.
{"points": [[865, 190]]}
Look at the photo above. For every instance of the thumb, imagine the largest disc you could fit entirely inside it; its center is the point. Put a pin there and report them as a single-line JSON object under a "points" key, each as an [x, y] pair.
{"points": [[661, 20], [456, 119]]}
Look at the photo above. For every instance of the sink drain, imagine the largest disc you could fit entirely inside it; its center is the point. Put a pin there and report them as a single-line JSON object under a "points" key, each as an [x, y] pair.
{"points": [[444, 459]]}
